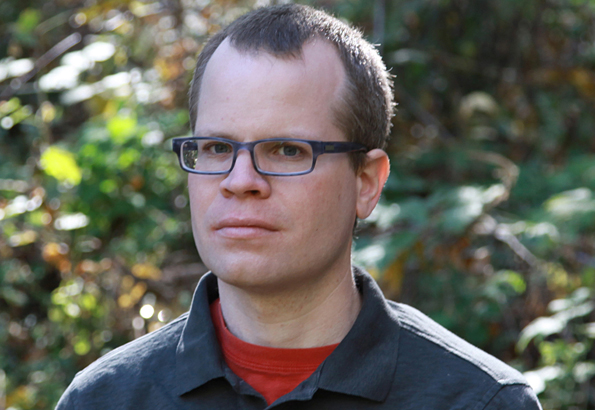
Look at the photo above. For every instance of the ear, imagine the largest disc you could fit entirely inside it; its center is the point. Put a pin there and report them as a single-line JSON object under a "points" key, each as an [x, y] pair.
{"points": [[370, 181]]}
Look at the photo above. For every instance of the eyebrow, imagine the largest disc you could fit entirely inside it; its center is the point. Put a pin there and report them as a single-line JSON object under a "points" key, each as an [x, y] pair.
{"points": [[216, 134]]}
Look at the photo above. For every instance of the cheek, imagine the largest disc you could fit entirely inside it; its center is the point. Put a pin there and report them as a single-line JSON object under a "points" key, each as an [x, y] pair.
{"points": [[327, 207], [202, 188], [193, 196], [200, 195]]}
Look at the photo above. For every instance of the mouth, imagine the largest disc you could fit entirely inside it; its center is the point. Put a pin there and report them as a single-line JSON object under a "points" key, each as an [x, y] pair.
{"points": [[244, 228]]}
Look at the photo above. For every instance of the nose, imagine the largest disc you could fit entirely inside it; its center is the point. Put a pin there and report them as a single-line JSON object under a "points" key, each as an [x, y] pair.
{"points": [[244, 180]]}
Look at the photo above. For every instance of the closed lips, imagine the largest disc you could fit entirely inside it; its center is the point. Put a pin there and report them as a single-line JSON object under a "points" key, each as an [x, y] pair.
{"points": [[244, 223]]}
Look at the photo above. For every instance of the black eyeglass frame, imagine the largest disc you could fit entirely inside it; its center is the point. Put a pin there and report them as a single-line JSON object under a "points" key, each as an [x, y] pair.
{"points": [[318, 148]]}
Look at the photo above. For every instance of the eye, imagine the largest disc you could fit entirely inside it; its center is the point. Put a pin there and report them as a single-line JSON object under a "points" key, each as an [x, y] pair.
{"points": [[217, 147], [288, 150]]}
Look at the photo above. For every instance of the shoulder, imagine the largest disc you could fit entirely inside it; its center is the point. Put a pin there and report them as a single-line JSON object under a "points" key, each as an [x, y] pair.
{"points": [[514, 396], [141, 354], [125, 370], [437, 364], [442, 340]]}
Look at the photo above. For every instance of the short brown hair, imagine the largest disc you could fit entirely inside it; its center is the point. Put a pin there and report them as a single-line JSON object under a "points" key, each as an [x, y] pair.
{"points": [[366, 109]]}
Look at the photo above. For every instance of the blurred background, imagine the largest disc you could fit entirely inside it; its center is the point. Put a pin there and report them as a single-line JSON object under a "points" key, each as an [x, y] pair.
{"points": [[487, 223]]}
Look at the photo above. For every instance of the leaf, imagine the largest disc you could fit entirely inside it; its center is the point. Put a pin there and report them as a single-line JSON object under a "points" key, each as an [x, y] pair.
{"points": [[70, 222], [464, 205], [128, 157], [61, 164], [121, 128], [537, 378], [546, 326], [381, 254], [22, 238], [28, 20], [513, 279], [99, 51], [568, 204], [583, 371], [542, 326]]}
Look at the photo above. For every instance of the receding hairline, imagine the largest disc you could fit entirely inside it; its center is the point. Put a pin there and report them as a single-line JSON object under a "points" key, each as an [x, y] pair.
{"points": [[338, 105], [364, 110]]}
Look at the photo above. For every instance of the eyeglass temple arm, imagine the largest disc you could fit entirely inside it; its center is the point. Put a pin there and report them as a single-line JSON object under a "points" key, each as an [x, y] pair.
{"points": [[338, 147]]}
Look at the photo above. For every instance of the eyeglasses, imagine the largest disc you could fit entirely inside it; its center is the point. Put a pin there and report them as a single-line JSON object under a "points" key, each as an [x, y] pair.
{"points": [[274, 156]]}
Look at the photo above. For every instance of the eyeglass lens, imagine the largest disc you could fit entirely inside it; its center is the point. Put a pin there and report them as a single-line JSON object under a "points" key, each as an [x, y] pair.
{"points": [[270, 156]]}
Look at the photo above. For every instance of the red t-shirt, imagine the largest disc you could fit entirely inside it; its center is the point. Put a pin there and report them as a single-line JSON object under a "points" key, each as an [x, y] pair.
{"points": [[272, 372]]}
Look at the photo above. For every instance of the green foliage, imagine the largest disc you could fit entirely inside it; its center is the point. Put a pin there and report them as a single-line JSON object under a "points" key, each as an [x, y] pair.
{"points": [[567, 366], [61, 164], [487, 223], [488, 219], [95, 244]]}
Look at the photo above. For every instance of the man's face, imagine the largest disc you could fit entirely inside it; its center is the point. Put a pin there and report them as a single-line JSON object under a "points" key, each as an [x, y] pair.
{"points": [[265, 232]]}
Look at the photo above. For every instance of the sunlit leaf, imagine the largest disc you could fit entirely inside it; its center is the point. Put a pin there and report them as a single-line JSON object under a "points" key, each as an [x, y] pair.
{"points": [[569, 203], [478, 102], [579, 296], [128, 157], [538, 378], [71, 221], [583, 371], [82, 345], [108, 186], [513, 279], [546, 326], [122, 128], [60, 78], [61, 164], [88, 301], [99, 51], [384, 215], [23, 238], [7, 107], [20, 67], [543, 326], [383, 253]]}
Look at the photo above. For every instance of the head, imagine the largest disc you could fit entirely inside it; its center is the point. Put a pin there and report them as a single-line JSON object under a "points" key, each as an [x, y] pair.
{"points": [[264, 232], [365, 108]]}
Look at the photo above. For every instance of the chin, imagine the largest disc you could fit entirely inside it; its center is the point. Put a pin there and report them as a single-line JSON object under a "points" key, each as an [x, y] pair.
{"points": [[255, 276]]}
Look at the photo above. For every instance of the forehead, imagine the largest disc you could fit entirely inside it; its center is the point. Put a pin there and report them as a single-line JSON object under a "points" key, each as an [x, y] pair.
{"points": [[256, 89]]}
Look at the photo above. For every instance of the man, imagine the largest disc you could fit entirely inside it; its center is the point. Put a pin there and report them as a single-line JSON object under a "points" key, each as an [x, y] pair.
{"points": [[291, 109]]}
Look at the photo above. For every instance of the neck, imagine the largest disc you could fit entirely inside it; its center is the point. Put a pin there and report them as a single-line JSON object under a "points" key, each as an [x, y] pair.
{"points": [[312, 315]]}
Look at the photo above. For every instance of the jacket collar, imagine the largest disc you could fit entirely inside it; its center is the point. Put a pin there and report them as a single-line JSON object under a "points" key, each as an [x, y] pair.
{"points": [[363, 364], [198, 356]]}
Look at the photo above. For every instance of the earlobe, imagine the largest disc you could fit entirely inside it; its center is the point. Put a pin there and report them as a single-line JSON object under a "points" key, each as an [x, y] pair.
{"points": [[371, 180]]}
